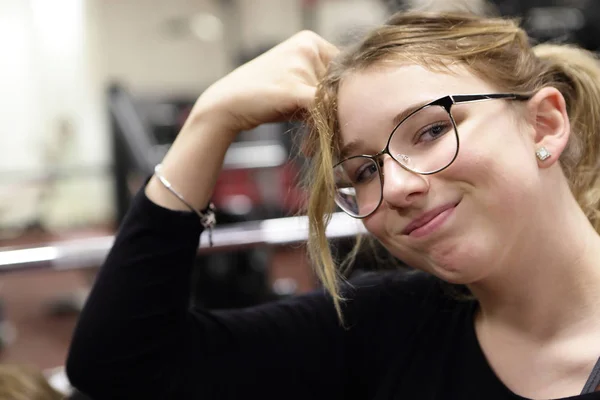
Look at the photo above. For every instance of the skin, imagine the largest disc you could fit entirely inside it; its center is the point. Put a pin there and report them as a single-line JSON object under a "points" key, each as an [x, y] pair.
{"points": [[495, 172], [540, 315], [516, 236], [275, 86]]}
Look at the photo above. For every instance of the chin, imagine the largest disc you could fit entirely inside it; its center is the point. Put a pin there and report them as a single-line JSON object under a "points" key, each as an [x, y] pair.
{"points": [[455, 277], [460, 264]]}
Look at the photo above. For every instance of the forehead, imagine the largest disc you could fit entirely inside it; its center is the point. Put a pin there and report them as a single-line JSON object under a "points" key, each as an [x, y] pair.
{"points": [[369, 100]]}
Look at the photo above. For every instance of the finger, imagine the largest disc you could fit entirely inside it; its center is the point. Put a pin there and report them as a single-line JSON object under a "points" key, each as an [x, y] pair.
{"points": [[327, 51], [316, 49], [305, 96], [297, 104], [298, 115]]}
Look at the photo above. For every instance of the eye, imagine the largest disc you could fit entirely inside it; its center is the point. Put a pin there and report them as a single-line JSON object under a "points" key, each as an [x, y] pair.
{"points": [[433, 131], [365, 172]]}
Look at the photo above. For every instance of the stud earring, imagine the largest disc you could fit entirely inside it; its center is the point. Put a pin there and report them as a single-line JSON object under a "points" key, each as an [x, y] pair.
{"points": [[542, 154]]}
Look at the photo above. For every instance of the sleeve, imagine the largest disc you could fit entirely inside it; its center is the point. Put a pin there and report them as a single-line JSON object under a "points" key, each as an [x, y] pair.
{"points": [[138, 338]]}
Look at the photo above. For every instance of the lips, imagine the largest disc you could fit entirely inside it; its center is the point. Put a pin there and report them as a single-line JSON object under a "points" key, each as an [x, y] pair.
{"points": [[424, 219]]}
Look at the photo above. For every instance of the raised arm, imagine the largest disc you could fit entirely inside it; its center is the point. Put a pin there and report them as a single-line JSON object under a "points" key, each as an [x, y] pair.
{"points": [[275, 86], [137, 337]]}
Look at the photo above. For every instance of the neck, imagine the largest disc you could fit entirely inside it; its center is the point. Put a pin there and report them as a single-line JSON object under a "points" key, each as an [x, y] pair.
{"points": [[548, 288]]}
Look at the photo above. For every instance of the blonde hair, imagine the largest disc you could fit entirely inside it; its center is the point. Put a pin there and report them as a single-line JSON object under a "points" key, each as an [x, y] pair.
{"points": [[18, 382], [494, 49]]}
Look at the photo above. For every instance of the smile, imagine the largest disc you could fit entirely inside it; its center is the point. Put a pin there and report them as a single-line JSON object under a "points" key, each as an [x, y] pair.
{"points": [[429, 222]]}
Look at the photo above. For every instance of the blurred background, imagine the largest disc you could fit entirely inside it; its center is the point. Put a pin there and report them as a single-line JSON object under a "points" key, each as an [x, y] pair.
{"points": [[92, 93]]}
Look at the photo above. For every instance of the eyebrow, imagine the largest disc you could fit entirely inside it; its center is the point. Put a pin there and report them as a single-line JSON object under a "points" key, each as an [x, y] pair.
{"points": [[350, 149]]}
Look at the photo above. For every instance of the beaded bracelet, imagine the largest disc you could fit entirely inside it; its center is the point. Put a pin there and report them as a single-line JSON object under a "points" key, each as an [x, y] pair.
{"points": [[207, 216]]}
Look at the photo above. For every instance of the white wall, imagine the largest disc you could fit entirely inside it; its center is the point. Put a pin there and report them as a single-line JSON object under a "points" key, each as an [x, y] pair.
{"points": [[58, 56], [268, 21], [20, 115], [52, 116], [138, 49], [339, 19]]}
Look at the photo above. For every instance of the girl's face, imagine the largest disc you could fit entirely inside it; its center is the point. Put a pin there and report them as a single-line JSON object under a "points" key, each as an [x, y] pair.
{"points": [[460, 223]]}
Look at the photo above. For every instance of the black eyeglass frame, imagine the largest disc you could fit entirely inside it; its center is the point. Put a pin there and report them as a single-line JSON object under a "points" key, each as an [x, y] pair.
{"points": [[446, 102]]}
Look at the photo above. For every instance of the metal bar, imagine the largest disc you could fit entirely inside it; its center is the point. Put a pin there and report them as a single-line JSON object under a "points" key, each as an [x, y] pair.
{"points": [[134, 130], [255, 154], [52, 173], [240, 155], [91, 252]]}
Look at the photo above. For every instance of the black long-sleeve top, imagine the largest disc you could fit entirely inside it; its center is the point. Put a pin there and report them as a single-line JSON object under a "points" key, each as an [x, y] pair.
{"points": [[138, 338]]}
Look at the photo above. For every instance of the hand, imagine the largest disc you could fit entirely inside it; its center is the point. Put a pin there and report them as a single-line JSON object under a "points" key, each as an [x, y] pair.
{"points": [[278, 85]]}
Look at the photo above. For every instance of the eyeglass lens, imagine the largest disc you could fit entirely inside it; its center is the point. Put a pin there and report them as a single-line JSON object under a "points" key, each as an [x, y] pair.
{"points": [[424, 143]]}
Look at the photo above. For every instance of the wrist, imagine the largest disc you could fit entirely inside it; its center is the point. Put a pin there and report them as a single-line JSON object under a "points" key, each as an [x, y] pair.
{"points": [[193, 161], [209, 126], [209, 116]]}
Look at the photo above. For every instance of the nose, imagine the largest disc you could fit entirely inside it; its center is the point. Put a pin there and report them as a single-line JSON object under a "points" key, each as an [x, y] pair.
{"points": [[402, 188]]}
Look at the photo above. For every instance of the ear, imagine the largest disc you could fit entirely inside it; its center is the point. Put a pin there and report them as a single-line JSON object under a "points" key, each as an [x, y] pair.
{"points": [[551, 128]]}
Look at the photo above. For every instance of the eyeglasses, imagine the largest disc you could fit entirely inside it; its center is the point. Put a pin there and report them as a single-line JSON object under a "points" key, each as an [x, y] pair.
{"points": [[424, 142]]}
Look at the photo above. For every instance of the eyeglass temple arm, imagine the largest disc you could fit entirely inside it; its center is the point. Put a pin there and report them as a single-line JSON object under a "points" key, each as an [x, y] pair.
{"points": [[470, 98]]}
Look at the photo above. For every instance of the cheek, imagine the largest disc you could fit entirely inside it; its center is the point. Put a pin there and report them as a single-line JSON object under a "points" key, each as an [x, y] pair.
{"points": [[382, 226], [498, 163], [496, 178], [499, 192], [375, 224]]}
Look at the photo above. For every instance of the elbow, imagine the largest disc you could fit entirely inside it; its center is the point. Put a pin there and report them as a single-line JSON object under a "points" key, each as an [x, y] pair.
{"points": [[83, 370], [77, 374]]}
